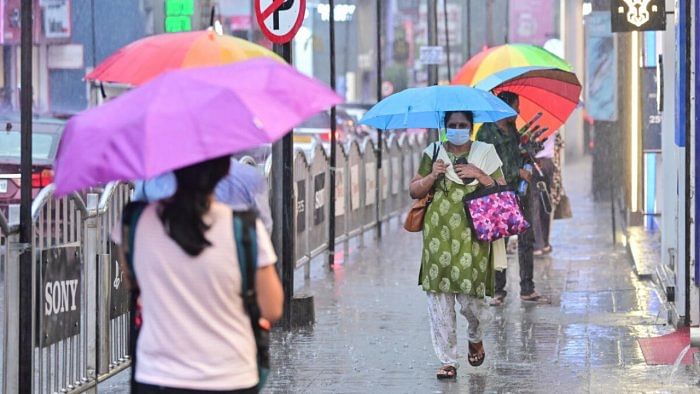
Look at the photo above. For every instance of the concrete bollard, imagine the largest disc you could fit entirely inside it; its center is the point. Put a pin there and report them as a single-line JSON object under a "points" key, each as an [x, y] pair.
{"points": [[303, 313]]}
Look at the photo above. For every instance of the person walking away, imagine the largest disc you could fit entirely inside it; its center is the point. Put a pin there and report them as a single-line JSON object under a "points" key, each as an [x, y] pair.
{"points": [[243, 188], [455, 266], [196, 335], [504, 136], [542, 219]]}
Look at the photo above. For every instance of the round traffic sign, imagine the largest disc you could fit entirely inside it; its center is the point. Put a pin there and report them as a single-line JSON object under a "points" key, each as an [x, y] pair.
{"points": [[279, 20]]}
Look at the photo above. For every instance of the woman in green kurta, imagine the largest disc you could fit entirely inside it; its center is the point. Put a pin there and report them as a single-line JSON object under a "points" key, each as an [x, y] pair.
{"points": [[455, 265]]}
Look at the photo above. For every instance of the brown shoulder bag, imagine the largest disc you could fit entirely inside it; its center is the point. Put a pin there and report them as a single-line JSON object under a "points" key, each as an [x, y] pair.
{"points": [[416, 214]]}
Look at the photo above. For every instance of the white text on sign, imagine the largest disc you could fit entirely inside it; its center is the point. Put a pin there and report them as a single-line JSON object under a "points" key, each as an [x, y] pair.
{"points": [[59, 297]]}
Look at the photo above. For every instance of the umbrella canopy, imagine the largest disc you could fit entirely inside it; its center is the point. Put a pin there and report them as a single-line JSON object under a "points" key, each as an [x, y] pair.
{"points": [[552, 91], [185, 117], [425, 107], [506, 56], [147, 58]]}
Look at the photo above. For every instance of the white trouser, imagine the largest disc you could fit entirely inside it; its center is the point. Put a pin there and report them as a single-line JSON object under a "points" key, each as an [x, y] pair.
{"points": [[443, 322]]}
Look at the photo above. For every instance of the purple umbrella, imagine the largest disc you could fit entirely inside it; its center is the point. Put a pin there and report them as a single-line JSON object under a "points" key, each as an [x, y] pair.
{"points": [[185, 117]]}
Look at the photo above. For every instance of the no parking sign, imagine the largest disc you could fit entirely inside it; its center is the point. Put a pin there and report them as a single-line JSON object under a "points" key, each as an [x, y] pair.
{"points": [[279, 20]]}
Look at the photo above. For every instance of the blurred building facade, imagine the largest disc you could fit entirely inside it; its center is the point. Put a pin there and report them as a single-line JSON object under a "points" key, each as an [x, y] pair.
{"points": [[471, 26], [640, 92], [71, 37]]}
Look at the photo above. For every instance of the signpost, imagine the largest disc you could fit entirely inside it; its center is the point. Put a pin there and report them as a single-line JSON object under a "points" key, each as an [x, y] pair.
{"points": [[279, 21]]}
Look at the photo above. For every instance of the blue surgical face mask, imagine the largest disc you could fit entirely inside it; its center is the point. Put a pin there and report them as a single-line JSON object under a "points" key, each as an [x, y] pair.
{"points": [[458, 136]]}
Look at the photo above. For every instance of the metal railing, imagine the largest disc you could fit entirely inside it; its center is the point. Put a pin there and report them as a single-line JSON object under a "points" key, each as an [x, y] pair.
{"points": [[72, 253], [356, 196], [61, 352], [81, 304]]}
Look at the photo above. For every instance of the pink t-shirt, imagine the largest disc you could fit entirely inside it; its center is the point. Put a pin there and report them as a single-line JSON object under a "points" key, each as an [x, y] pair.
{"points": [[196, 333]]}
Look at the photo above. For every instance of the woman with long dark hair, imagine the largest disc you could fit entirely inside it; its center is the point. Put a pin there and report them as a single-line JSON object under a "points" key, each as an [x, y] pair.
{"points": [[196, 335]]}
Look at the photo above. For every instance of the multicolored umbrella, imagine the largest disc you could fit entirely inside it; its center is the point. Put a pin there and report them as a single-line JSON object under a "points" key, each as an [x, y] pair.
{"points": [[185, 117], [503, 57], [552, 91], [425, 107], [147, 58]]}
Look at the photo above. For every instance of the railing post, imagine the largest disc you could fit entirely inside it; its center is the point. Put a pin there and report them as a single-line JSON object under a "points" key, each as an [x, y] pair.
{"points": [[11, 354], [103, 322], [90, 266]]}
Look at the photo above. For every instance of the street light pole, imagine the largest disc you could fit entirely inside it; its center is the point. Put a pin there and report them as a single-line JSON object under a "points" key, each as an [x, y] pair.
{"points": [[26, 268]]}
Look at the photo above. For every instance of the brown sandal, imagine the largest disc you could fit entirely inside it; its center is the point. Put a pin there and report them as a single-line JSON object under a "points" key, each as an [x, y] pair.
{"points": [[447, 372], [476, 354], [536, 298]]}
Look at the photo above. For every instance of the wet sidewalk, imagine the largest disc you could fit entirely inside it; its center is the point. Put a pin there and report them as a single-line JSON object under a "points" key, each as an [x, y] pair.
{"points": [[371, 333], [372, 330]]}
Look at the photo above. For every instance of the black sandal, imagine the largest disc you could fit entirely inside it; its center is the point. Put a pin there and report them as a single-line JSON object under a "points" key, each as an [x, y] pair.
{"points": [[447, 372], [476, 354]]}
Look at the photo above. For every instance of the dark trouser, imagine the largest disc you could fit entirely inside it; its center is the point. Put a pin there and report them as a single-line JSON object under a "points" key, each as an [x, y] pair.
{"points": [[542, 220], [526, 243], [142, 388]]}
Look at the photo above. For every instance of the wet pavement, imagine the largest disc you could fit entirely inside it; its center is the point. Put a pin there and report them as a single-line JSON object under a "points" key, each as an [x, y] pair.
{"points": [[371, 333]]}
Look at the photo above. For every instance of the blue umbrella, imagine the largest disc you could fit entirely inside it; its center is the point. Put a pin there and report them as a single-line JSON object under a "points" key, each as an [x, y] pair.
{"points": [[425, 107]]}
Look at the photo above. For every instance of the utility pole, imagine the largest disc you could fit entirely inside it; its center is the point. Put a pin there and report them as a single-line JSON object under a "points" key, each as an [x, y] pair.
{"points": [[331, 184], [26, 267], [432, 40], [489, 23], [380, 133], [433, 134], [447, 41], [469, 29]]}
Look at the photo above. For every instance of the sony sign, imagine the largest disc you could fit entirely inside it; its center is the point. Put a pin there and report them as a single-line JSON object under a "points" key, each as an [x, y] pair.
{"points": [[59, 295], [638, 15]]}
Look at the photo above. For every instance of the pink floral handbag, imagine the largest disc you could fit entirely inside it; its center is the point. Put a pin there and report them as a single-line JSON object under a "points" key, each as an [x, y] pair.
{"points": [[495, 213]]}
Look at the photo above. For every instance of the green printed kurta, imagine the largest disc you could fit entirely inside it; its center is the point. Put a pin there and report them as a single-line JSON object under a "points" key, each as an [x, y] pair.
{"points": [[453, 260]]}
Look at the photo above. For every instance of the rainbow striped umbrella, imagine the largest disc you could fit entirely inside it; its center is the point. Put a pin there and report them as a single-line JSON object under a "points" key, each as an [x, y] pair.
{"points": [[551, 91], [499, 58], [145, 59]]}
